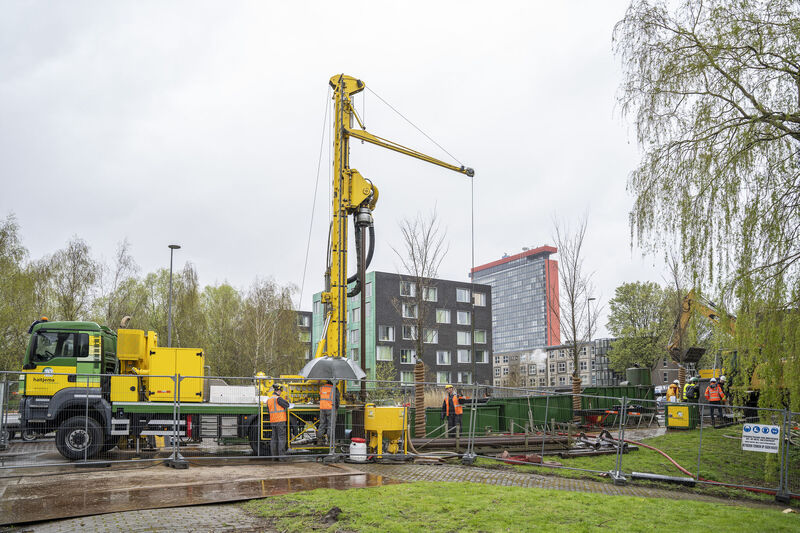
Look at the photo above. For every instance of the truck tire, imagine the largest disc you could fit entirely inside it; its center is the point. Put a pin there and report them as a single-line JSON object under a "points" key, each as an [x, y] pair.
{"points": [[29, 435], [79, 437], [259, 447]]}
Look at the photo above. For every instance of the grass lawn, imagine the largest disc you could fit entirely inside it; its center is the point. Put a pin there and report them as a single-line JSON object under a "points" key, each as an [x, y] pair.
{"points": [[431, 507], [721, 460]]}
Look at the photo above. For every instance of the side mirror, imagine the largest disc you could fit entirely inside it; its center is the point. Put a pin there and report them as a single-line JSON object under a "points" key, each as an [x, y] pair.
{"points": [[29, 366]]}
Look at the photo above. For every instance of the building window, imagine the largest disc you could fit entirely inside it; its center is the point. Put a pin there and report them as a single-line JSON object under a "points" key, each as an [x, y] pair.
{"points": [[430, 294], [431, 336], [462, 296], [409, 310], [442, 376], [308, 353], [666, 377], [583, 365], [408, 356], [664, 365], [593, 364], [386, 333], [305, 336], [523, 369], [355, 336], [462, 318], [481, 356], [505, 370], [532, 370], [303, 321], [318, 308], [497, 359], [552, 382], [463, 356], [562, 366], [407, 377], [368, 289], [480, 336], [354, 354], [542, 382], [480, 299], [552, 368], [442, 357], [443, 316], [408, 288], [497, 371], [384, 353], [465, 377], [355, 314], [562, 380], [505, 359], [409, 332], [463, 338]]}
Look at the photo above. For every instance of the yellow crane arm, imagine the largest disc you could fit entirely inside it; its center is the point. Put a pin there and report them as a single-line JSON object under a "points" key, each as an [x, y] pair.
{"points": [[690, 303], [391, 145]]}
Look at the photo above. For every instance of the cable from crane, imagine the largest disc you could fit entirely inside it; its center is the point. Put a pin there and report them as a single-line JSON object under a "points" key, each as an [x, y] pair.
{"points": [[414, 126], [316, 187]]}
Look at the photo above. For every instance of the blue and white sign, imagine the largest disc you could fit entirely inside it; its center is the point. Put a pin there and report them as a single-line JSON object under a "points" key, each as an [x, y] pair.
{"points": [[761, 438]]}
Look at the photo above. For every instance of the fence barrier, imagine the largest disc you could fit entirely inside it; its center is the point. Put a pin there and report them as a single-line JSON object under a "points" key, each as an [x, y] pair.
{"points": [[618, 431]]}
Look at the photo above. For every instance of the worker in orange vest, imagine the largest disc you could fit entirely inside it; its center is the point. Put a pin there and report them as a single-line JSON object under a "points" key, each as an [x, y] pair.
{"points": [[328, 401], [278, 415], [715, 396], [452, 410]]}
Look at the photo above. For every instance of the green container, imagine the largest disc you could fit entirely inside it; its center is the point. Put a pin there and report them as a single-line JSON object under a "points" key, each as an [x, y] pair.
{"points": [[638, 376]]}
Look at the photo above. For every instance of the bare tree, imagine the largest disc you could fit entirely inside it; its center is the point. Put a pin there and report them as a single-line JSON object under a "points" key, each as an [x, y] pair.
{"points": [[423, 249], [576, 315], [74, 274], [119, 288]]}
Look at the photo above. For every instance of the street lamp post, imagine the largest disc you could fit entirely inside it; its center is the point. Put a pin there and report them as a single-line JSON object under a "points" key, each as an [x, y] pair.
{"points": [[172, 248]]}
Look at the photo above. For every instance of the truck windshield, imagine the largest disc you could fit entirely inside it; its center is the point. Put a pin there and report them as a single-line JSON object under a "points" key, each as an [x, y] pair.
{"points": [[51, 344]]}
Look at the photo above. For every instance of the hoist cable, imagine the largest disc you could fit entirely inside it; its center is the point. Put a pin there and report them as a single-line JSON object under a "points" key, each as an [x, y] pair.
{"points": [[415, 126], [316, 187]]}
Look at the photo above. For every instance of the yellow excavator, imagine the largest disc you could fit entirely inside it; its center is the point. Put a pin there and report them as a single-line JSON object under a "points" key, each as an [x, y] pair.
{"points": [[694, 302]]}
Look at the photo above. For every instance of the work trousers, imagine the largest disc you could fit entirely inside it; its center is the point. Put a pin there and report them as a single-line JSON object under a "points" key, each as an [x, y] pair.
{"points": [[325, 421], [277, 442], [715, 407], [453, 420]]}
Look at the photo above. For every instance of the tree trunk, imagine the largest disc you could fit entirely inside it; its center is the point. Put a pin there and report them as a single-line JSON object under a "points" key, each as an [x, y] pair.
{"points": [[419, 399], [576, 398]]}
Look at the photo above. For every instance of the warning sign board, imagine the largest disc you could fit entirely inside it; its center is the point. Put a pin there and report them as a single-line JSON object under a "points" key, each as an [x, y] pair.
{"points": [[761, 438]]}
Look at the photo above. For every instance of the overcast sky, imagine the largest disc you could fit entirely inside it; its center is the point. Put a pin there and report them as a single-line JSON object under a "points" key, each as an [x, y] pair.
{"points": [[201, 124]]}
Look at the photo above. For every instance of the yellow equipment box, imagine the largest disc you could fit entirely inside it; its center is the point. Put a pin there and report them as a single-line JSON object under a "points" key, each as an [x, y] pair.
{"points": [[681, 416], [124, 388], [169, 362]]}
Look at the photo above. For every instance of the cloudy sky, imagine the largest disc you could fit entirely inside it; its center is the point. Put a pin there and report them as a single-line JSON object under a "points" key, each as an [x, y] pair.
{"points": [[201, 124]]}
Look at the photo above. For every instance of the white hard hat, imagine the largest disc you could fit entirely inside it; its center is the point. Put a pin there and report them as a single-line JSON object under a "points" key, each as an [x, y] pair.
{"points": [[722, 378], [676, 382], [713, 380]]}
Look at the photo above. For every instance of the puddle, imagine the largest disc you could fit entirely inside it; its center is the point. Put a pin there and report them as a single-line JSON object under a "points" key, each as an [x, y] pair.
{"points": [[23, 503]]}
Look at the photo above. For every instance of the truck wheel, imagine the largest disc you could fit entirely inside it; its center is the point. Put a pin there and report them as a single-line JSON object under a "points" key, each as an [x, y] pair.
{"points": [[29, 435], [259, 447], [79, 437]]}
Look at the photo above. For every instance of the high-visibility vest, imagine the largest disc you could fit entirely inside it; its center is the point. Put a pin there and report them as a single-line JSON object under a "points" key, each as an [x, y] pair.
{"points": [[456, 406], [326, 397], [276, 412], [715, 394]]}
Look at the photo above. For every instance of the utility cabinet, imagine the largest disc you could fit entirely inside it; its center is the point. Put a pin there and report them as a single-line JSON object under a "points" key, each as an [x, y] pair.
{"points": [[165, 362]]}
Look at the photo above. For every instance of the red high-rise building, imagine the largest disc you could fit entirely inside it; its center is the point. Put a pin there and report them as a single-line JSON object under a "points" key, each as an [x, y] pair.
{"points": [[525, 305]]}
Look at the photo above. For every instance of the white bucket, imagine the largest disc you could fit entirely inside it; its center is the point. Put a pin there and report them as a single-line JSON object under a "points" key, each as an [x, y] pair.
{"points": [[358, 450]]}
